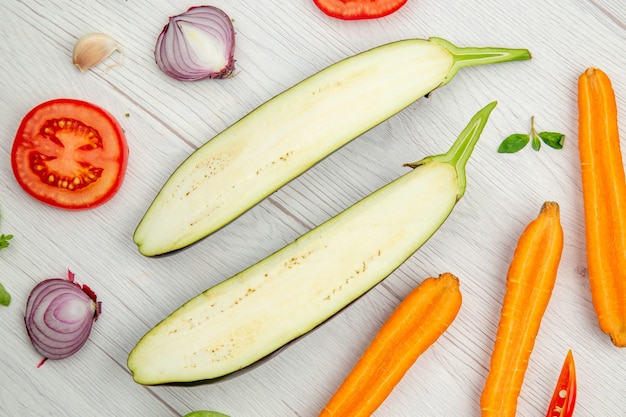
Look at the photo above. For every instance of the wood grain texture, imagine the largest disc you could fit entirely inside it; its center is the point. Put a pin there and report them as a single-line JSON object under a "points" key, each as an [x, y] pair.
{"points": [[278, 44]]}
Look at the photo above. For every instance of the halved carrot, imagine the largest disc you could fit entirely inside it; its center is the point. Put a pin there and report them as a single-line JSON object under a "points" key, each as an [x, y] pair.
{"points": [[604, 196], [529, 285], [417, 323]]}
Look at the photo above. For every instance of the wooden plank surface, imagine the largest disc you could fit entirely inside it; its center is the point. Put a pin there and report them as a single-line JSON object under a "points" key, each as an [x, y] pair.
{"points": [[278, 44]]}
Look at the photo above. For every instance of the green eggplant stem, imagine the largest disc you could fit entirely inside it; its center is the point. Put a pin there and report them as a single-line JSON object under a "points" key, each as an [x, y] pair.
{"points": [[462, 148], [471, 56]]}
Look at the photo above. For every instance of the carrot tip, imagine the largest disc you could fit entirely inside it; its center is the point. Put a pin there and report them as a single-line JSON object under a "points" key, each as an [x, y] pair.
{"points": [[619, 339], [549, 205]]}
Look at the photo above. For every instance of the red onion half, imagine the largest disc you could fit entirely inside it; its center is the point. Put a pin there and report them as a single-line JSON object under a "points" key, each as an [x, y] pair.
{"points": [[59, 315], [197, 44]]}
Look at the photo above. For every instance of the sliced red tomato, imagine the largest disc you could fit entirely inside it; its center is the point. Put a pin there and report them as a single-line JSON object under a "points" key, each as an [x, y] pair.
{"points": [[70, 154], [359, 9]]}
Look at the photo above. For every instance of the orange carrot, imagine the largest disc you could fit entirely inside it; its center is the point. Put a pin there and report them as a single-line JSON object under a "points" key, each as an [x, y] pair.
{"points": [[604, 197], [417, 323], [529, 285]]}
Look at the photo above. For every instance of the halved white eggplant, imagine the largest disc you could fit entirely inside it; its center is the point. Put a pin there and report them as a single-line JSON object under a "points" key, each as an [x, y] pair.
{"points": [[257, 311], [288, 134]]}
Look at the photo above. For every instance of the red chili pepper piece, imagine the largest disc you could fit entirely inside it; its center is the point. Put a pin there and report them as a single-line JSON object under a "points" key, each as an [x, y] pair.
{"points": [[564, 397]]}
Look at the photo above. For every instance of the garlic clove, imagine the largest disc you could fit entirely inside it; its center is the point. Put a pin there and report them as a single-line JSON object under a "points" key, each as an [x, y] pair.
{"points": [[93, 48]]}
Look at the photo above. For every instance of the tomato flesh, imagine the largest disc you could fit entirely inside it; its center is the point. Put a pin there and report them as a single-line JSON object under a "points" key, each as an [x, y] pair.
{"points": [[359, 9], [70, 154]]}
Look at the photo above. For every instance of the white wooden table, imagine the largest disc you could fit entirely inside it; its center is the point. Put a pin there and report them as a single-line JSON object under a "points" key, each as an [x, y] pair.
{"points": [[278, 44]]}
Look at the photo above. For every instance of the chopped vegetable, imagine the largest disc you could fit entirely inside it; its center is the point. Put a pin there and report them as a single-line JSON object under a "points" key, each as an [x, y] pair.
{"points": [[604, 196], [5, 297], [518, 141], [285, 295], [413, 327], [92, 49], [197, 44], [529, 285], [204, 413], [59, 316], [69, 154], [564, 397], [282, 138], [359, 9]]}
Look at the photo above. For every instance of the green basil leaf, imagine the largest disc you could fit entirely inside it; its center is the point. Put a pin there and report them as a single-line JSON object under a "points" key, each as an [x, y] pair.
{"points": [[5, 297], [513, 143], [553, 139], [4, 241], [536, 143]]}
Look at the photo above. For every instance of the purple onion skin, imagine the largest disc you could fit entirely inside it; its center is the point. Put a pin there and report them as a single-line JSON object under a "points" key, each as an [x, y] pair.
{"points": [[59, 316], [175, 57]]}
